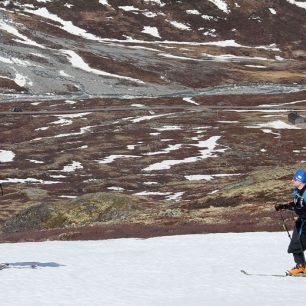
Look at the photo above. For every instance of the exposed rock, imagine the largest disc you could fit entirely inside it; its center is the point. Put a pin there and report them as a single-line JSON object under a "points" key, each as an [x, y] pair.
{"points": [[34, 193], [85, 210]]}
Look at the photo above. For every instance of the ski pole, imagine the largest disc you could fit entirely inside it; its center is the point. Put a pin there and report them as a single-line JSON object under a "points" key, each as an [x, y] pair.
{"points": [[1, 189], [284, 225]]}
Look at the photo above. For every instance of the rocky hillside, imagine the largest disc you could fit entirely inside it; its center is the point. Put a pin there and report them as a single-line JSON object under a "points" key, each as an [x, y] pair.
{"points": [[146, 117]]}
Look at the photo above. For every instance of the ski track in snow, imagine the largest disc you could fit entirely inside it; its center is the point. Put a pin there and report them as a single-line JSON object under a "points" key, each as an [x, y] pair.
{"points": [[188, 270]]}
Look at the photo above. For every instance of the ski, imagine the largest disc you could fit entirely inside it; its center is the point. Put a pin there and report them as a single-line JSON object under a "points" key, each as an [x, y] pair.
{"points": [[262, 274], [8, 266], [277, 275], [3, 266]]}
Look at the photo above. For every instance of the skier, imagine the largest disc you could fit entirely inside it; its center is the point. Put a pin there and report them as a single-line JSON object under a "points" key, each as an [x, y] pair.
{"points": [[297, 244]]}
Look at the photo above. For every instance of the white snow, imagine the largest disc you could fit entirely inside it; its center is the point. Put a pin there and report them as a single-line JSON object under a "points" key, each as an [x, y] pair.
{"points": [[22, 80], [158, 193], [165, 151], [83, 130], [128, 8], [104, 2], [193, 270], [207, 17], [72, 167], [277, 124], [6, 156], [222, 5], [149, 14], [193, 12], [175, 196], [115, 188], [256, 66], [272, 11], [22, 38], [209, 150], [5, 60], [66, 118], [168, 128], [79, 63], [231, 57], [27, 180], [35, 161], [301, 4], [143, 118], [67, 26], [64, 74], [151, 31], [207, 177], [158, 2], [111, 158], [68, 5], [179, 57], [189, 100], [227, 121], [169, 196], [179, 25]]}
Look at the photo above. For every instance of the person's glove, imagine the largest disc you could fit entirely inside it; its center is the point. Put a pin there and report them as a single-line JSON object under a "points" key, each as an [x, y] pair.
{"points": [[281, 207]]}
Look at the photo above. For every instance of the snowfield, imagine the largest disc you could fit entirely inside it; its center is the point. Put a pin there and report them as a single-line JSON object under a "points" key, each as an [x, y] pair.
{"points": [[186, 270]]}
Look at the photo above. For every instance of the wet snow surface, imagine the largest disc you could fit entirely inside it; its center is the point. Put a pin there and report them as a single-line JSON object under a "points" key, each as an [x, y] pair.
{"points": [[180, 270]]}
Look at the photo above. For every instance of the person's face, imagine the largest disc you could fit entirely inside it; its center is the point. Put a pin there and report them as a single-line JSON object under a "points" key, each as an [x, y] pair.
{"points": [[297, 184]]}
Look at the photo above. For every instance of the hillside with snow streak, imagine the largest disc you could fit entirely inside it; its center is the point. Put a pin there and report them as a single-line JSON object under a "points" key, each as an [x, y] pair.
{"points": [[143, 118]]}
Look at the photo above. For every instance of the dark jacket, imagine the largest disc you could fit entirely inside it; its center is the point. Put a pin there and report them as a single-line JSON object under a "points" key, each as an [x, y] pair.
{"points": [[299, 202]]}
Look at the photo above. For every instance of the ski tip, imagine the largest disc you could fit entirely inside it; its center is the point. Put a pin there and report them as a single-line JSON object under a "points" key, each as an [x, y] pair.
{"points": [[4, 265]]}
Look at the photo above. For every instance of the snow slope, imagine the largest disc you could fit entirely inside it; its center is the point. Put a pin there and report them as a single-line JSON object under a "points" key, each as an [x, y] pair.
{"points": [[186, 270]]}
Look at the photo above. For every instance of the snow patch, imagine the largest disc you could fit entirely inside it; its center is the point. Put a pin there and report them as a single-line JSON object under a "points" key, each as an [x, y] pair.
{"points": [[151, 31], [72, 167], [209, 151], [272, 11], [79, 63], [104, 2], [22, 38], [166, 150], [128, 8], [301, 4], [207, 17], [158, 2], [67, 26], [179, 25], [277, 124], [114, 188], [112, 158], [200, 177], [149, 14], [189, 100], [6, 156], [168, 128], [193, 12], [222, 5], [28, 180]]}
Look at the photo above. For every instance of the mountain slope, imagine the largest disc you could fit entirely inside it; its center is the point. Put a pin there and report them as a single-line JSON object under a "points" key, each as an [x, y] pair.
{"points": [[179, 106]]}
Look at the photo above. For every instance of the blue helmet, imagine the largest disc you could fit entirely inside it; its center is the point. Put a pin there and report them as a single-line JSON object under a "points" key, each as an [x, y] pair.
{"points": [[300, 175]]}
